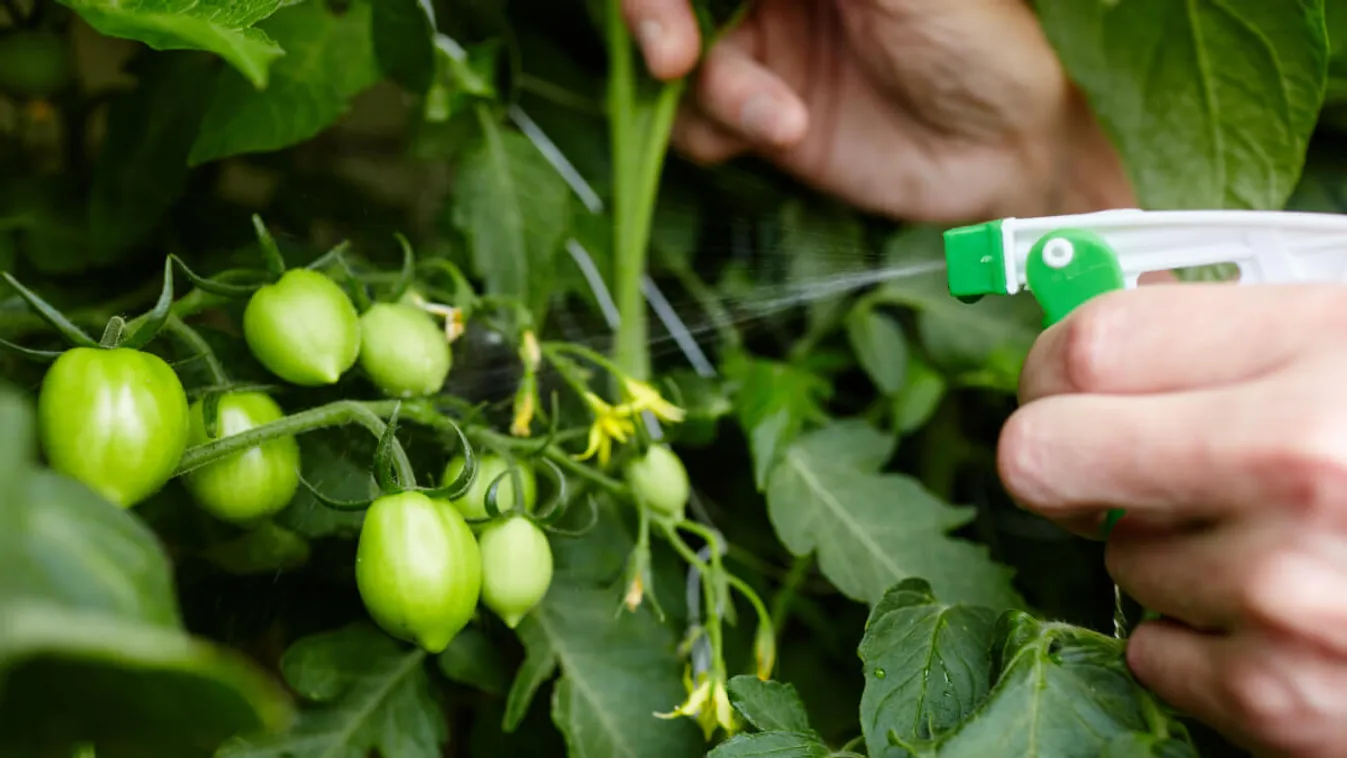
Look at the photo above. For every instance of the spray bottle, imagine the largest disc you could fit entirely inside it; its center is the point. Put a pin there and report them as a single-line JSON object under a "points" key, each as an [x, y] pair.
{"points": [[1066, 260]]}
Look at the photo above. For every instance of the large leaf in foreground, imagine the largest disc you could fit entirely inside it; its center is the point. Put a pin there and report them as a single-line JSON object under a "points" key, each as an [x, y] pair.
{"points": [[329, 60], [872, 530], [91, 647], [1211, 104], [223, 27], [369, 691]]}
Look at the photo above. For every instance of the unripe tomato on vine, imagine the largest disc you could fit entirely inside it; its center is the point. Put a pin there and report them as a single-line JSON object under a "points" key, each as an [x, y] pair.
{"points": [[251, 484], [418, 569], [115, 419], [516, 567], [403, 350], [303, 328], [472, 504], [659, 480]]}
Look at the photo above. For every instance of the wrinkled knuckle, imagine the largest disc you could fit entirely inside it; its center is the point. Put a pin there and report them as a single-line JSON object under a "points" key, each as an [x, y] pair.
{"points": [[1307, 469], [1085, 347], [1262, 588]]}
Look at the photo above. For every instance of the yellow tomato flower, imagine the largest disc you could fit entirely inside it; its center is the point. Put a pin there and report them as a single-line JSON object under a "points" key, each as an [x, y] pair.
{"points": [[523, 409], [647, 398], [610, 423], [708, 704]]}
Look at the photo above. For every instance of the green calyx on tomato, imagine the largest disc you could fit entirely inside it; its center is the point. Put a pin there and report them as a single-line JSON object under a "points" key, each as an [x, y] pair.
{"points": [[660, 481], [33, 63], [303, 328], [516, 567], [402, 349], [114, 419], [472, 504], [418, 569], [256, 483]]}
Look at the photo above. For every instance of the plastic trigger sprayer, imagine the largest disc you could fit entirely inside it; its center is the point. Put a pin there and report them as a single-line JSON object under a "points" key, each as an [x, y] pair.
{"points": [[1066, 260]]}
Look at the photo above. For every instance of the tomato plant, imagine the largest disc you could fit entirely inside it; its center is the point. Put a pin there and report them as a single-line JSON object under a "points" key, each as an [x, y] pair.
{"points": [[252, 484], [745, 498], [116, 420]]}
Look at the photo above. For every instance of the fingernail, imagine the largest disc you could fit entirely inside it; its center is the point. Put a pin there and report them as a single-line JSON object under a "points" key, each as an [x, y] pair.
{"points": [[761, 118], [651, 35]]}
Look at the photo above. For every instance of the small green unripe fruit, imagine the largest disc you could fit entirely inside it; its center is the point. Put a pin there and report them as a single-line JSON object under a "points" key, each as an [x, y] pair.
{"points": [[418, 569], [516, 568], [403, 350], [255, 483], [660, 481], [472, 504], [303, 328]]}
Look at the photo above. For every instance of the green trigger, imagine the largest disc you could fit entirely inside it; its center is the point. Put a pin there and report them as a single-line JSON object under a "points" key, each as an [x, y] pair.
{"points": [[1066, 267]]}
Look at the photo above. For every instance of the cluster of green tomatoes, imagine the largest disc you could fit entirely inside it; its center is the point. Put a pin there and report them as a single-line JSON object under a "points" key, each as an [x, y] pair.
{"points": [[117, 418]]}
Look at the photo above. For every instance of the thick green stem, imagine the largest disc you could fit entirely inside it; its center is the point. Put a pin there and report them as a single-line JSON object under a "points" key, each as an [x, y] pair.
{"points": [[781, 602], [339, 413]]}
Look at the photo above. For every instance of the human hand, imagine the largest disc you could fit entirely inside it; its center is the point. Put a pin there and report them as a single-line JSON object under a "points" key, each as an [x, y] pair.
{"points": [[1216, 415], [925, 110]]}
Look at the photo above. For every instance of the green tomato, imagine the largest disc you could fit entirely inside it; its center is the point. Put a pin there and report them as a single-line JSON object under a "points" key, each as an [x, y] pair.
{"points": [[418, 569], [303, 328], [472, 504], [34, 64], [255, 483], [516, 568], [114, 419], [403, 350], [660, 481]]}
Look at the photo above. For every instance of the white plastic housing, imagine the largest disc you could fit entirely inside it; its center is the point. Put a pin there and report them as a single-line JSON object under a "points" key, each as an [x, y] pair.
{"points": [[1269, 247]]}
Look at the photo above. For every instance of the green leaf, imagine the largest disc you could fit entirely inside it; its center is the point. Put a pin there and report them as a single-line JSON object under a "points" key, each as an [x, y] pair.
{"points": [[136, 689], [16, 448], [142, 165], [769, 706], [223, 27], [927, 666], [403, 44], [872, 530], [993, 335], [264, 549], [923, 389], [1058, 690], [369, 693], [514, 209], [774, 402], [1211, 105], [336, 462], [329, 60], [771, 745], [472, 659], [61, 543], [880, 347], [617, 669]]}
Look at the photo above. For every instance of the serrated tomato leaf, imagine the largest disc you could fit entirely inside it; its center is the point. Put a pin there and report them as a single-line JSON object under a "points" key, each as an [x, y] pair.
{"points": [[878, 342], [223, 27], [927, 666], [329, 60], [768, 705], [1211, 105], [515, 211], [368, 692], [771, 745], [403, 44], [871, 530]]}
